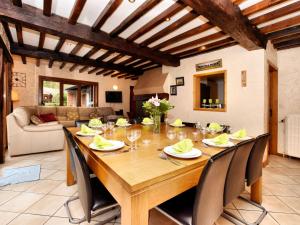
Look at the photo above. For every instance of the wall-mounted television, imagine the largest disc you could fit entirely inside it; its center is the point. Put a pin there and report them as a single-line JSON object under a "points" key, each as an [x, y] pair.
{"points": [[113, 96]]}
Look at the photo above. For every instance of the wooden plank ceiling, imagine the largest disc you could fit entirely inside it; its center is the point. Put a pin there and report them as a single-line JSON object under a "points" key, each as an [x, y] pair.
{"points": [[122, 38]]}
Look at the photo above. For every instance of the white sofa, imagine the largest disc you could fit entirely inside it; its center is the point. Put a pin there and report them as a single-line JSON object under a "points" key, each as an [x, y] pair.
{"points": [[25, 138]]}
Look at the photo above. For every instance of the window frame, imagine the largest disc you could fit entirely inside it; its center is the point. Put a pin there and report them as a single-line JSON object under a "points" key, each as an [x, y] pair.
{"points": [[197, 91], [62, 82]]}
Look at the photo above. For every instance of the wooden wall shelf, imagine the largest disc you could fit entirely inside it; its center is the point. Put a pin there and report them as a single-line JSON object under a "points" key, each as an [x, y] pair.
{"points": [[211, 109]]}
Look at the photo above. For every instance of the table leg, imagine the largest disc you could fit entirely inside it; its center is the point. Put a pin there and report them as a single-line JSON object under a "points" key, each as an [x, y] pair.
{"points": [[135, 211], [70, 178], [256, 191]]}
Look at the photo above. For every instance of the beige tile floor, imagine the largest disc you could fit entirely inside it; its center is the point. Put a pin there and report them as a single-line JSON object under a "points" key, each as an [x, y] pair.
{"points": [[41, 202]]}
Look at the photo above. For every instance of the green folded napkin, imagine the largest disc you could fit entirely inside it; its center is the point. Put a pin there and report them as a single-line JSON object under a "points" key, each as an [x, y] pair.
{"points": [[95, 123], [240, 134], [101, 142], [215, 126], [177, 122], [221, 139], [86, 130], [121, 122], [147, 120], [183, 146]]}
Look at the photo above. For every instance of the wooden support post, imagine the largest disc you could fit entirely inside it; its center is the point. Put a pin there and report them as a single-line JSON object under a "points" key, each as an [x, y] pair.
{"points": [[2, 147]]}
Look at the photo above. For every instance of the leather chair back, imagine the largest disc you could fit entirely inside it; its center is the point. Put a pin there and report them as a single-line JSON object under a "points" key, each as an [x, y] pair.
{"points": [[254, 165], [71, 145], [83, 178], [235, 179], [209, 197]]}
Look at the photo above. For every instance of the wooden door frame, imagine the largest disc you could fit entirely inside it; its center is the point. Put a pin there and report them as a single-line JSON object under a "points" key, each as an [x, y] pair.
{"points": [[273, 108]]}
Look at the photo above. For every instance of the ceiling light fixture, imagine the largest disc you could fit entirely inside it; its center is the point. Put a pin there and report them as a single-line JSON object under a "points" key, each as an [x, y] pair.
{"points": [[202, 48], [168, 18]]}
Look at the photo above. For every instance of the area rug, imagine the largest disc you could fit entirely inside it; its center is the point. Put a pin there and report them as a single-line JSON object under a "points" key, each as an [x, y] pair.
{"points": [[20, 175]]}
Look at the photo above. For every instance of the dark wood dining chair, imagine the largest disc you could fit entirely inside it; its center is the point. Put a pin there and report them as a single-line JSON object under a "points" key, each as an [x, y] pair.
{"points": [[203, 204], [78, 123], [235, 179], [93, 196]]}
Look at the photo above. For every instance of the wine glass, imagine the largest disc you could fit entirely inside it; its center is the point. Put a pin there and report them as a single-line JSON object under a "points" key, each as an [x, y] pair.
{"points": [[110, 126], [131, 136], [138, 134], [171, 134], [181, 135], [195, 135], [104, 127]]}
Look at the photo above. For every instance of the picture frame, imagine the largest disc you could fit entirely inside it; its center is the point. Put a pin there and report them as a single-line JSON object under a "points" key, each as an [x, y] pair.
{"points": [[180, 81], [173, 89]]}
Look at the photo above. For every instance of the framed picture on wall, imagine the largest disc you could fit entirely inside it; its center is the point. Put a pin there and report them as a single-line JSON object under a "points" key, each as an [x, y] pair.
{"points": [[173, 90], [180, 81]]}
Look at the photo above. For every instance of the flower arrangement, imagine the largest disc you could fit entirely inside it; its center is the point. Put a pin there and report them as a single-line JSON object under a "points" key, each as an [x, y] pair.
{"points": [[155, 106]]}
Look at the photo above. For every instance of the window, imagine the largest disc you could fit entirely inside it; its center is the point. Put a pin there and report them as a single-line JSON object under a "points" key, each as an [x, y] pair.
{"points": [[66, 92], [210, 91]]}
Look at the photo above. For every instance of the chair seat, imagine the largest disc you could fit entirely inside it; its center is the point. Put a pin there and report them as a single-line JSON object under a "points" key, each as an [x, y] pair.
{"points": [[180, 207], [102, 197]]}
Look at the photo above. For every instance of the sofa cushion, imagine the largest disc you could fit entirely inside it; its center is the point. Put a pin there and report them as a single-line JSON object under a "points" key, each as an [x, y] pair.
{"points": [[61, 118], [35, 120], [105, 111], [34, 128], [72, 115], [94, 115], [22, 116], [86, 111], [63, 110], [49, 117], [46, 110]]}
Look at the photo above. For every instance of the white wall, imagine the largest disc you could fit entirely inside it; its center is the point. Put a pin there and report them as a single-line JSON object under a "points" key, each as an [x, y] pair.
{"points": [[29, 95], [245, 105], [288, 87]]}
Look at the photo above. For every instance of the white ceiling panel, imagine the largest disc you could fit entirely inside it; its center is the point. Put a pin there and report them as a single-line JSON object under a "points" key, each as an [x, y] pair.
{"points": [[142, 63], [248, 3], [194, 23], [110, 57], [122, 59], [156, 11], [123, 11], [68, 46], [99, 53], [35, 3], [13, 32], [30, 37], [62, 8], [279, 19], [84, 49], [50, 41], [193, 38], [163, 25]]}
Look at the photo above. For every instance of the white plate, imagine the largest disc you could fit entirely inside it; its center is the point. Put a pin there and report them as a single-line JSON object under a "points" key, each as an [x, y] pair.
{"points": [[96, 126], [115, 145], [239, 139], [126, 125], [89, 135], [171, 124], [194, 153], [147, 123], [212, 143]]}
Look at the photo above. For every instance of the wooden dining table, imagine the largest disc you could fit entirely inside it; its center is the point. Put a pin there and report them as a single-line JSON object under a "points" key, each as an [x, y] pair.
{"points": [[140, 179]]}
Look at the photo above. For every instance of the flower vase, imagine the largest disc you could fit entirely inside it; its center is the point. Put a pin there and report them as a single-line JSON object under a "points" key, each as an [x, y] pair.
{"points": [[156, 125]]}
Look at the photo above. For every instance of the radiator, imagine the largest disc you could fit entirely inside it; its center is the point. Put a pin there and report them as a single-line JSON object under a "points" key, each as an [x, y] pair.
{"points": [[292, 135]]}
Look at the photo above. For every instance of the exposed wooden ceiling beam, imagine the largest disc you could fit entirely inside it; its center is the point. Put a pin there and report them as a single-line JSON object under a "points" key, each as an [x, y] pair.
{"points": [[86, 56], [95, 70], [104, 56], [288, 44], [230, 19], [20, 40], [73, 52], [116, 74], [116, 58], [126, 61], [286, 38], [238, 1], [137, 14], [144, 65], [108, 73], [174, 26], [58, 46], [33, 18], [285, 32], [102, 71], [106, 13], [151, 67], [184, 35], [7, 31], [62, 65], [34, 52], [83, 69], [77, 8], [281, 25], [261, 6], [205, 47], [41, 45], [276, 13], [168, 13], [17, 3], [47, 7], [73, 67], [137, 62], [196, 42]]}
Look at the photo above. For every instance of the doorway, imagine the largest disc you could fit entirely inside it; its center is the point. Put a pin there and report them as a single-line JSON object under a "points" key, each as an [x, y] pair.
{"points": [[273, 109]]}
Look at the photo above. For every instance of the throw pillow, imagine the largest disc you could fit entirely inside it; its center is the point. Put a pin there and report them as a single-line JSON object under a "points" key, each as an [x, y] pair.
{"points": [[94, 115], [35, 120], [72, 115], [49, 117]]}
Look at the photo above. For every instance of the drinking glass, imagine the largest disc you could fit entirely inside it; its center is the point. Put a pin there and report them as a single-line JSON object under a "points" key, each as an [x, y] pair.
{"points": [[203, 131], [138, 134], [131, 136], [110, 126], [171, 134], [181, 135], [104, 127], [195, 136]]}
